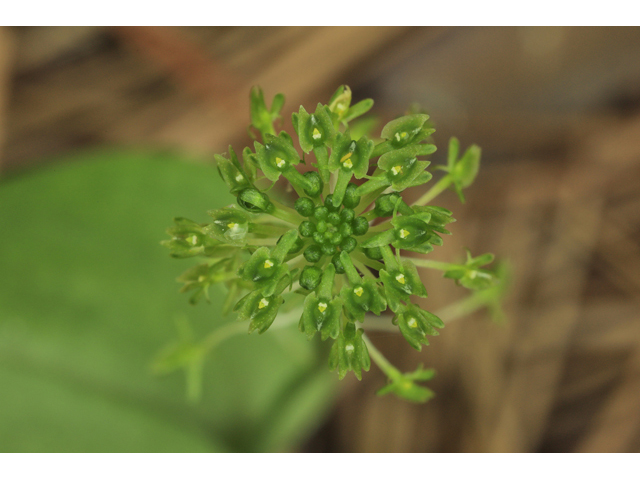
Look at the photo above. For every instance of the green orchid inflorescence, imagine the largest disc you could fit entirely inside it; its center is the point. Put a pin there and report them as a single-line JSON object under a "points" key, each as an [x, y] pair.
{"points": [[336, 252]]}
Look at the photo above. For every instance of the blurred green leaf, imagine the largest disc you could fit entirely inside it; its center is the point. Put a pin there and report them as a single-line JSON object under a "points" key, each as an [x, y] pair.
{"points": [[85, 307]]}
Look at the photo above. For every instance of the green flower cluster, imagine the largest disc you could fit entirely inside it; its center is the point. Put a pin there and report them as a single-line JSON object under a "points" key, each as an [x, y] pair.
{"points": [[337, 248]]}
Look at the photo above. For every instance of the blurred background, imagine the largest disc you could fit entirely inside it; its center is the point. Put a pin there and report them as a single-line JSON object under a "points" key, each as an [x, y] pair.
{"points": [[107, 133]]}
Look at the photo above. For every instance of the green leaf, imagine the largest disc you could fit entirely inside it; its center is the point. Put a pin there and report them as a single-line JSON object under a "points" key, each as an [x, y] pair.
{"points": [[80, 328]]}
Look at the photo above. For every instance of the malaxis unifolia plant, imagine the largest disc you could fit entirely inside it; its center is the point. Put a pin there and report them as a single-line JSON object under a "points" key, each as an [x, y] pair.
{"points": [[319, 261]]}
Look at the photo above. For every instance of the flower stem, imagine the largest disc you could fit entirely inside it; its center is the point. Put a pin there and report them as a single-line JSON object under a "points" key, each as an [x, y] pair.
{"points": [[285, 213], [440, 186], [422, 262], [380, 360], [367, 261], [267, 230], [365, 271], [368, 199]]}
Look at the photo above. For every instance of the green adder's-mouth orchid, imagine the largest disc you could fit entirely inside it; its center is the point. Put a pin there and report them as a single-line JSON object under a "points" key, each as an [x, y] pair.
{"points": [[337, 251]]}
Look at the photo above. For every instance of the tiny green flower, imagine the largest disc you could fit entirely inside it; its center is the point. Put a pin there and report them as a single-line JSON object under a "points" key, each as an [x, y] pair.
{"points": [[415, 324], [314, 130], [349, 352]]}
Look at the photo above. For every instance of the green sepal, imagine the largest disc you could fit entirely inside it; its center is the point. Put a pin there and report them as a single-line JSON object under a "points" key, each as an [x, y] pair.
{"points": [[403, 168], [439, 216], [466, 169], [403, 385], [284, 245], [421, 179], [322, 158], [363, 297], [339, 103], [389, 159], [262, 118], [201, 277], [409, 232], [463, 172], [415, 324], [349, 353], [424, 248], [188, 239], [321, 315], [364, 126], [254, 201], [325, 289], [341, 187], [401, 283], [413, 175], [250, 164], [259, 310], [351, 272], [314, 130], [406, 130], [386, 204], [263, 270], [184, 226], [276, 155], [231, 172], [358, 109], [350, 155], [380, 239], [230, 225]]}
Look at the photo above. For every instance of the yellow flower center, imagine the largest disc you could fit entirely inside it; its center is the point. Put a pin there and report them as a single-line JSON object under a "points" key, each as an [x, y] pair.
{"points": [[358, 291], [346, 160], [404, 233], [400, 278], [316, 134], [280, 162], [397, 169], [322, 307], [263, 303], [400, 135], [412, 323], [268, 264]]}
